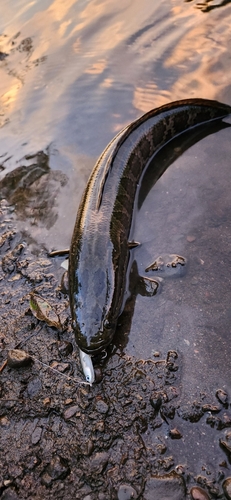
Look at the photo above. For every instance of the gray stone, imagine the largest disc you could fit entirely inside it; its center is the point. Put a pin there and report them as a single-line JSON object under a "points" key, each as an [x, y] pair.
{"points": [[71, 411], [4, 422], [167, 487], [17, 358], [36, 435], [227, 488], [126, 492], [101, 406], [222, 396], [99, 462], [9, 494], [198, 493]]}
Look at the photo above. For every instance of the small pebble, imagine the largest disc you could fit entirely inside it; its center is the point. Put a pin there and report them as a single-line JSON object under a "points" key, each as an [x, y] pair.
{"points": [[61, 367], [175, 434], [36, 435], [99, 462], [56, 469], [101, 406], [17, 358], [46, 401], [156, 354], [180, 469], [226, 443], [126, 492], [7, 482], [98, 374], [99, 426], [68, 401], [70, 412], [4, 422], [102, 496], [89, 447], [222, 396], [223, 464], [191, 238], [198, 493], [227, 488]]}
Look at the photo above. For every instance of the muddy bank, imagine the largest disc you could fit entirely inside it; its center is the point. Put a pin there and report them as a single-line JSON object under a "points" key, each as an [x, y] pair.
{"points": [[126, 437]]}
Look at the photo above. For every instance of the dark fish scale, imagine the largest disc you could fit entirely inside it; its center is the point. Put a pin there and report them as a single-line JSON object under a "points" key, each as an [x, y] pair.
{"points": [[99, 244]]}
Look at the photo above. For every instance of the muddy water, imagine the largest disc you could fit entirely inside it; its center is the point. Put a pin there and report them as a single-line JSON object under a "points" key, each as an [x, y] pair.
{"points": [[72, 74]]}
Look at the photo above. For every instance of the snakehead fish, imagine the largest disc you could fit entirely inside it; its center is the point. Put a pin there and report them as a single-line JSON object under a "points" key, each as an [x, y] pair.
{"points": [[99, 251]]}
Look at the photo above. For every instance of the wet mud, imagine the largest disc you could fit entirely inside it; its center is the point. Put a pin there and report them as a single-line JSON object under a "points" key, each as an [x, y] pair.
{"points": [[120, 439]]}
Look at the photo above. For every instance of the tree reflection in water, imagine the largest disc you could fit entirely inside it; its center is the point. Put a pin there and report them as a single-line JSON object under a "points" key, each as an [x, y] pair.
{"points": [[33, 189]]}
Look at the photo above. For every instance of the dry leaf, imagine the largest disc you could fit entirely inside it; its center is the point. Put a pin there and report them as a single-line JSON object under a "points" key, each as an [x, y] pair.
{"points": [[43, 311]]}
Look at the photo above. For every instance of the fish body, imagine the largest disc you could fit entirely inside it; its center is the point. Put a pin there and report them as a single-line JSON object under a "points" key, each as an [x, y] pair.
{"points": [[99, 252]]}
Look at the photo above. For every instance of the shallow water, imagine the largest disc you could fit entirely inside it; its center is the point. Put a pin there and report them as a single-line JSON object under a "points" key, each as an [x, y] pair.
{"points": [[187, 215], [73, 74]]}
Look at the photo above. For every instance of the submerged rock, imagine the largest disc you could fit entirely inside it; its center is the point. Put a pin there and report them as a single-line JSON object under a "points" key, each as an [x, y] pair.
{"points": [[126, 492], [227, 488], [198, 493], [175, 434], [222, 396], [226, 443], [166, 487]]}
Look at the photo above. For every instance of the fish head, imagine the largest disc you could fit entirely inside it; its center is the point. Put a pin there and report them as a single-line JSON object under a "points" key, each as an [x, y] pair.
{"points": [[94, 332], [94, 301]]}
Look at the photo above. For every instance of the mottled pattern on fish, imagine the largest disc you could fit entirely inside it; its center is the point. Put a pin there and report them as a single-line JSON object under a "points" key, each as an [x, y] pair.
{"points": [[99, 252]]}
